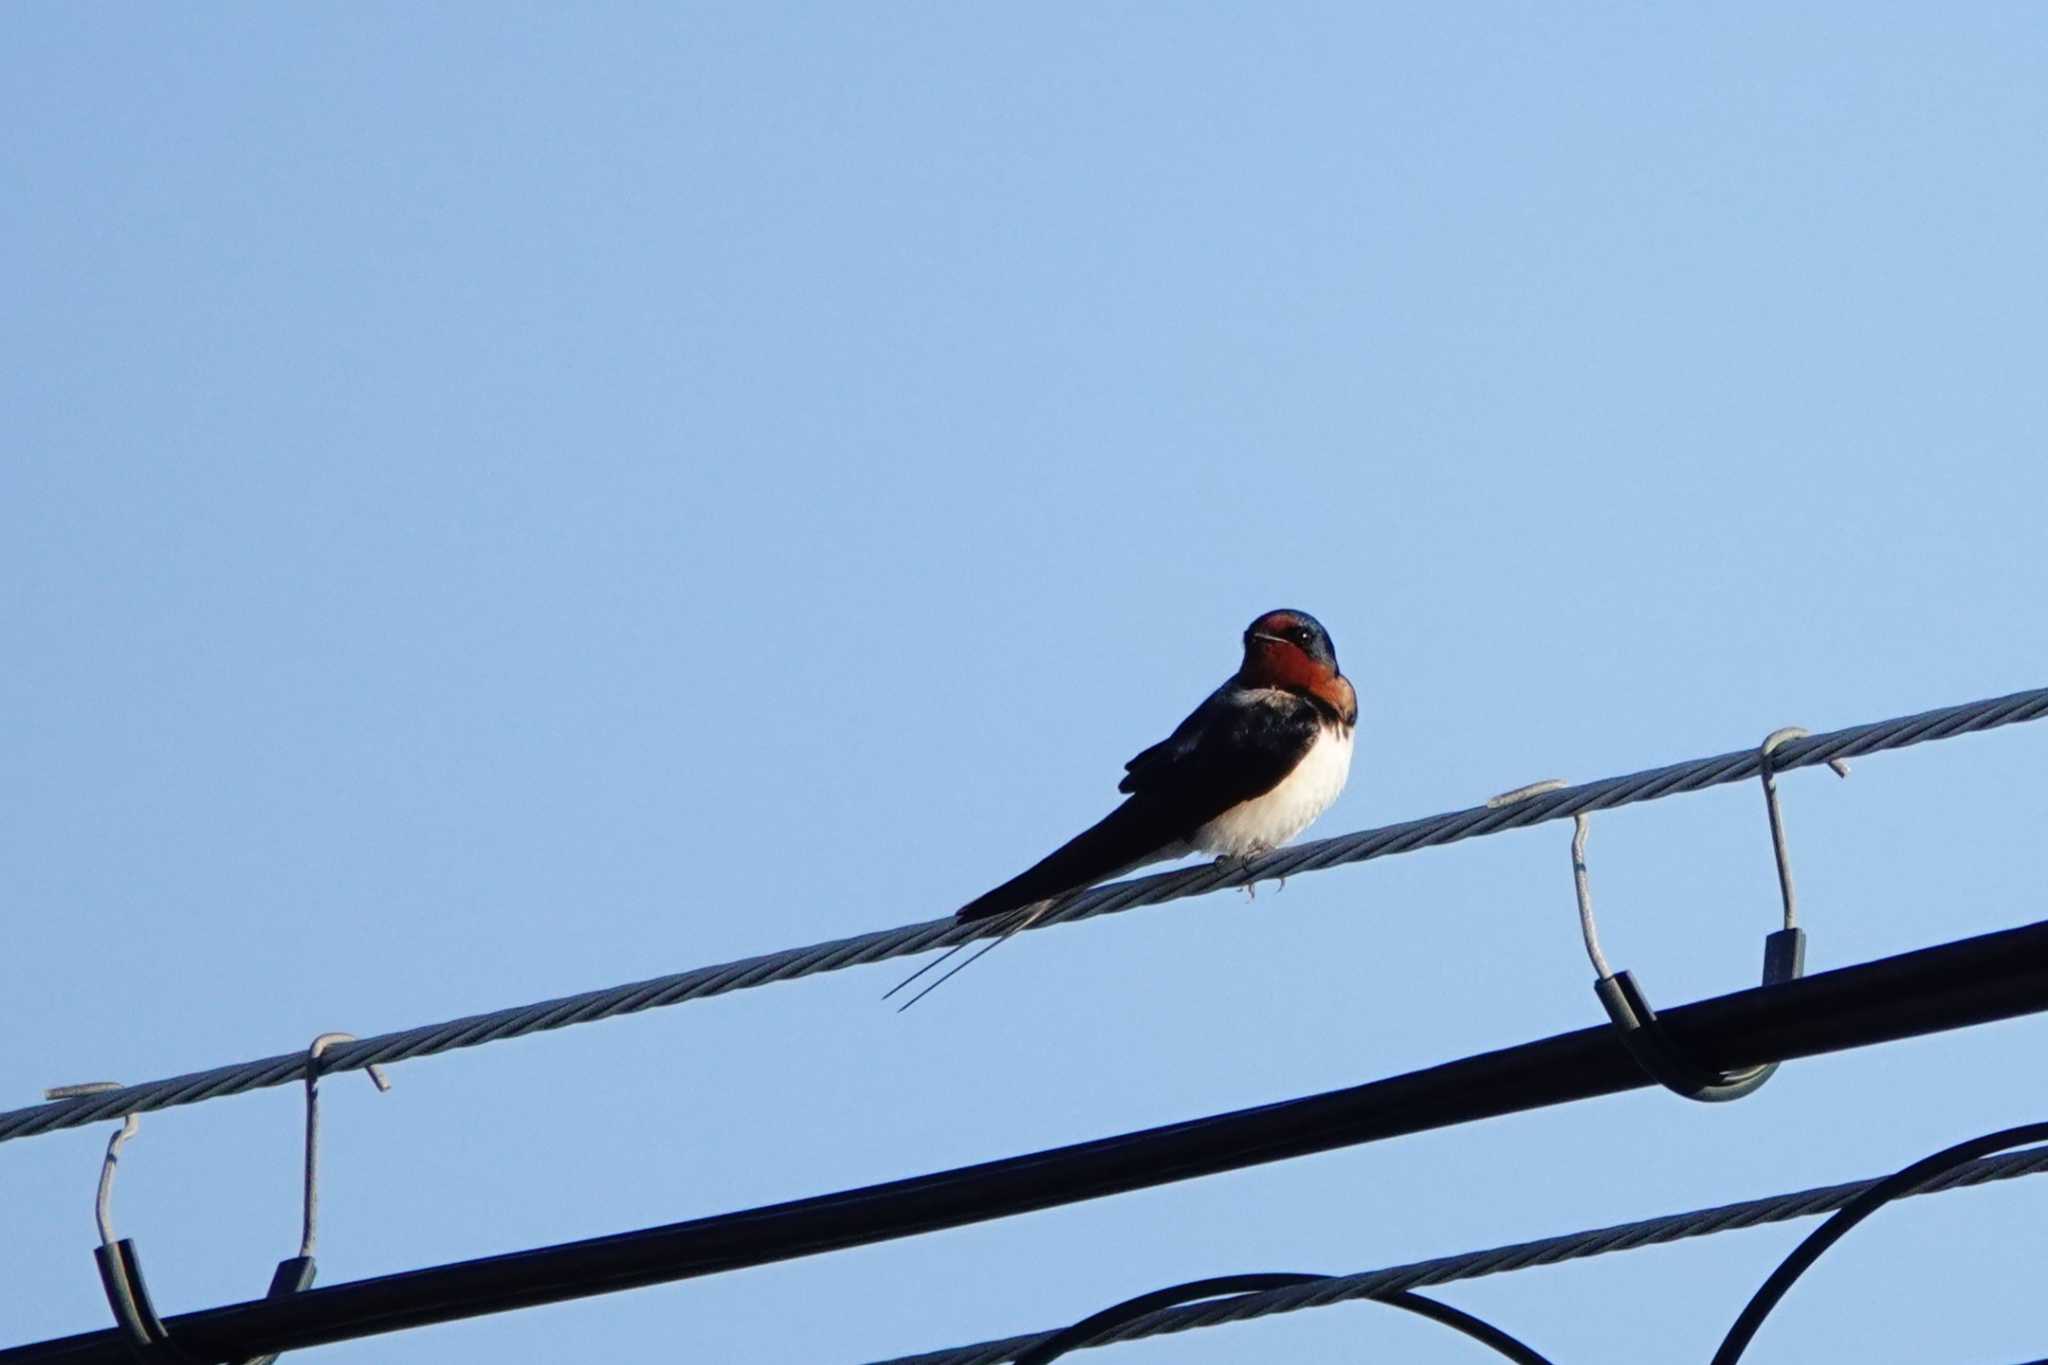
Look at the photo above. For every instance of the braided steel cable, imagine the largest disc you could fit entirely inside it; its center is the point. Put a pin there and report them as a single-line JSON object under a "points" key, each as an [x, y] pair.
{"points": [[1362, 846], [1373, 1284]]}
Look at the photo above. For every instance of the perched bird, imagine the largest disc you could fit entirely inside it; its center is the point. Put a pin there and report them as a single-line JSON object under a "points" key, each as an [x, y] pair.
{"points": [[1252, 767]]}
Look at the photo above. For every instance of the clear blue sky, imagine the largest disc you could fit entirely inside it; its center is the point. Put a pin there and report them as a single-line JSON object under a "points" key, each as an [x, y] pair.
{"points": [[504, 501]]}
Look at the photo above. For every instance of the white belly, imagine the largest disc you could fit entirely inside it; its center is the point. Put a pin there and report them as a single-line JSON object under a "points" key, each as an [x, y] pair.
{"points": [[1266, 822]]}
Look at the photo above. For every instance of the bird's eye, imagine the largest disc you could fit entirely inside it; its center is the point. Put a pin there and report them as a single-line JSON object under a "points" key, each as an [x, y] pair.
{"points": [[1301, 635]]}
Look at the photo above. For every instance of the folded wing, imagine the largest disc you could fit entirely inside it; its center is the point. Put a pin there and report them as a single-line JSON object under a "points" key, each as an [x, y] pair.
{"points": [[1236, 746]]}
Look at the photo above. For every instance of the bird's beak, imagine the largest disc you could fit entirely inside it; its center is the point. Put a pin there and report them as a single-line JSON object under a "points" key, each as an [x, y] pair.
{"points": [[1261, 635]]}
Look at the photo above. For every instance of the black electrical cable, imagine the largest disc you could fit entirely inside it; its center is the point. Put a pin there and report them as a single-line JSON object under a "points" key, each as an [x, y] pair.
{"points": [[1920, 1173], [1109, 1319], [1953, 985], [1556, 1250]]}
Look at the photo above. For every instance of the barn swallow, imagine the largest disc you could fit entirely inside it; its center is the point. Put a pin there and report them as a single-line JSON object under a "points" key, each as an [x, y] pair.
{"points": [[1252, 767]]}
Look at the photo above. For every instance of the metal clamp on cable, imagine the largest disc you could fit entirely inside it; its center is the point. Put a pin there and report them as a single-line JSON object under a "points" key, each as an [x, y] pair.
{"points": [[121, 1267], [1634, 1020], [1657, 1055], [295, 1273]]}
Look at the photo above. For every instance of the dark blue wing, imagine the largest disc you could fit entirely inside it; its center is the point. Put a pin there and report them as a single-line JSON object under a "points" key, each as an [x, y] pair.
{"points": [[1234, 747]]}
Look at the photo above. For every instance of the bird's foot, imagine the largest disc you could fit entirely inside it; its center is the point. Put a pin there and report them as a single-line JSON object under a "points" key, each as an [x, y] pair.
{"points": [[1237, 862]]}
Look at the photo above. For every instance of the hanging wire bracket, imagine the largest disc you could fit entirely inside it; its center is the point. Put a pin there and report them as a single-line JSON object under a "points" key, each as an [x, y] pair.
{"points": [[1634, 1019], [120, 1265], [296, 1273]]}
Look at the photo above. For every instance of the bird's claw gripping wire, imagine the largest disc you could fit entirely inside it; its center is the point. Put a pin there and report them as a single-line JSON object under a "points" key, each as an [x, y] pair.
{"points": [[1235, 864]]}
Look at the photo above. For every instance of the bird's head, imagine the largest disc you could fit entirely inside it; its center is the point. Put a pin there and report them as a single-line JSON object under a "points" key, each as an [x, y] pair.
{"points": [[1290, 649]]}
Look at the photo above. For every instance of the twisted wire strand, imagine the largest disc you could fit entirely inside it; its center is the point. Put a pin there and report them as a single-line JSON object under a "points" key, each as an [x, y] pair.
{"points": [[700, 982], [1469, 1265]]}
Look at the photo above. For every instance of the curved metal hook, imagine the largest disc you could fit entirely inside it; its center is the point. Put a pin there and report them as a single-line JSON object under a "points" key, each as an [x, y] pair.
{"points": [[1581, 887], [120, 1270], [1583, 890], [319, 1045], [102, 1204], [1636, 1022], [296, 1273], [1769, 776]]}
